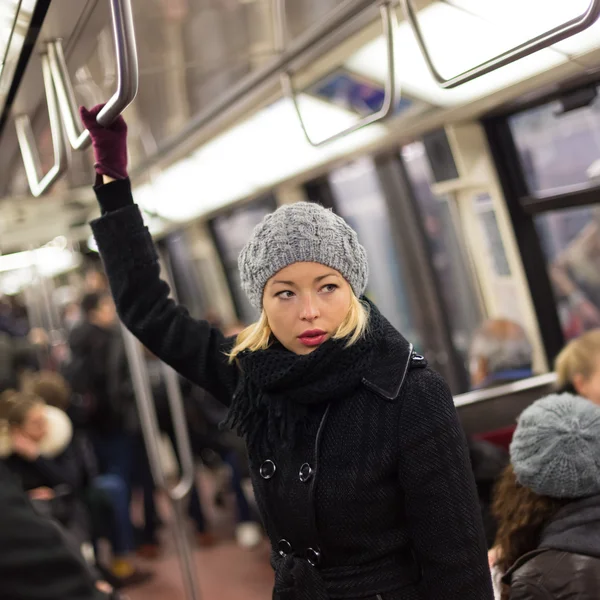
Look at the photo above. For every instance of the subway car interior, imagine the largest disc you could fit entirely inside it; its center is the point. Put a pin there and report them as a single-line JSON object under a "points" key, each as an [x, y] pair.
{"points": [[459, 139]]}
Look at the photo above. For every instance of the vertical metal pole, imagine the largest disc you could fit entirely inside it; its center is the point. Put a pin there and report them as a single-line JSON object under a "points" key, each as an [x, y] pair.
{"points": [[181, 491], [151, 431]]}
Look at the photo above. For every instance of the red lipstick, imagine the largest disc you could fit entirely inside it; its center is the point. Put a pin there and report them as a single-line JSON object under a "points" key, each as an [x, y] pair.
{"points": [[313, 337]]}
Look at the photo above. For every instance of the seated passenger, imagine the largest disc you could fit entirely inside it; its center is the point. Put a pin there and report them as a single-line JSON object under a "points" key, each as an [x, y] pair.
{"points": [[578, 366], [500, 353], [106, 496], [548, 503], [55, 479]]}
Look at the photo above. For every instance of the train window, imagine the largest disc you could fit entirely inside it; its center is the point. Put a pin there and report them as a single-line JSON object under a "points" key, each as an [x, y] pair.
{"points": [[360, 201], [231, 231], [571, 242], [484, 208], [453, 271], [559, 143]]}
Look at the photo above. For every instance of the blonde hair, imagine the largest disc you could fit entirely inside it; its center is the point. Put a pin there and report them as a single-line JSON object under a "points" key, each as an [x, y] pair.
{"points": [[259, 335], [578, 357]]}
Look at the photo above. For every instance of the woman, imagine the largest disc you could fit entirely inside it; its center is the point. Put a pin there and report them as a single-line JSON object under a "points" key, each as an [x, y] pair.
{"points": [[548, 503], [357, 458]]}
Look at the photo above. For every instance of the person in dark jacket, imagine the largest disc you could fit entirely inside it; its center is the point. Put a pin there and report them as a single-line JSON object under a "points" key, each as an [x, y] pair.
{"points": [[358, 461], [548, 503], [488, 463], [36, 560]]}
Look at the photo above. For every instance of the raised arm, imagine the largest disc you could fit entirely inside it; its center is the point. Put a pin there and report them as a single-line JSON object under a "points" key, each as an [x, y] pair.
{"points": [[192, 347], [442, 510]]}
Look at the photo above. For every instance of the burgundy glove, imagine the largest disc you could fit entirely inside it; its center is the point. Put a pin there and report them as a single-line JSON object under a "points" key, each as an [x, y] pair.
{"points": [[109, 143]]}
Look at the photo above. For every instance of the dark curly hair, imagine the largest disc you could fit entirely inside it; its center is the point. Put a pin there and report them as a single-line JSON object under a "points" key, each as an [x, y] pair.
{"points": [[522, 515]]}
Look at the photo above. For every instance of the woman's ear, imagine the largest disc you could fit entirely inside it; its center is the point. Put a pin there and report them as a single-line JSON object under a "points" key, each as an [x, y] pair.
{"points": [[580, 384]]}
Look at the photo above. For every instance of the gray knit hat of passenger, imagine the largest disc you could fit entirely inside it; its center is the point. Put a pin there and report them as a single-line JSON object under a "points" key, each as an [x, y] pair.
{"points": [[555, 450], [301, 232]]}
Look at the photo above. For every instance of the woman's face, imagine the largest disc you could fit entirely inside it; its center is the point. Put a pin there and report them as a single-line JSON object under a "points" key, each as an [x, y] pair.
{"points": [[35, 426], [305, 304], [589, 387]]}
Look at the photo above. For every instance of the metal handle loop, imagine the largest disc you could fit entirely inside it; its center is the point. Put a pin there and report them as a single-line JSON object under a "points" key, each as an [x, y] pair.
{"points": [[387, 108], [127, 77], [548, 38], [39, 183]]}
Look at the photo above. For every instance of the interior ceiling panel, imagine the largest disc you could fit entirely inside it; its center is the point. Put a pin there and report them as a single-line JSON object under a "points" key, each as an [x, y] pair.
{"points": [[190, 52]]}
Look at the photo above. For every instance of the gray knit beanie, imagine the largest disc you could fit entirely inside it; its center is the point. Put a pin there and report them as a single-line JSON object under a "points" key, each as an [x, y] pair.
{"points": [[301, 232], [555, 450]]}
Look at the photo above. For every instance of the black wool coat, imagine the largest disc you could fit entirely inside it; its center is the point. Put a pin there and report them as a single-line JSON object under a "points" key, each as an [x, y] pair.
{"points": [[377, 501]]}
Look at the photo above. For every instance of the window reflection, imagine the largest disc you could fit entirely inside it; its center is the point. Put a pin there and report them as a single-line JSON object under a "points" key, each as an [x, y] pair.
{"points": [[557, 148], [361, 202], [449, 261], [231, 231], [571, 242]]}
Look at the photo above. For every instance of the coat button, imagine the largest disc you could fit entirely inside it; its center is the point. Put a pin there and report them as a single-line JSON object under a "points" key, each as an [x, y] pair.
{"points": [[313, 556], [306, 472], [267, 469], [284, 547]]}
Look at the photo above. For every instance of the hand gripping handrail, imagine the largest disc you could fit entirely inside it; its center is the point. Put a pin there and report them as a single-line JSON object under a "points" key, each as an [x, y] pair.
{"points": [[548, 38], [39, 183], [387, 108], [127, 77]]}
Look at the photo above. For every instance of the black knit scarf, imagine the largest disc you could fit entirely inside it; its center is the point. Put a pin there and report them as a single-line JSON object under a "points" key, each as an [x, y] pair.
{"points": [[278, 387]]}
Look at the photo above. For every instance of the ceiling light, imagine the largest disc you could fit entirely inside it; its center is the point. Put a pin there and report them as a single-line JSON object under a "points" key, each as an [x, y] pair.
{"points": [[47, 261], [266, 148]]}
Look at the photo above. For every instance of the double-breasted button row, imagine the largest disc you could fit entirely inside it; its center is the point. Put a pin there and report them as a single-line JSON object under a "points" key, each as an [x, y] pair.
{"points": [[268, 468], [313, 555]]}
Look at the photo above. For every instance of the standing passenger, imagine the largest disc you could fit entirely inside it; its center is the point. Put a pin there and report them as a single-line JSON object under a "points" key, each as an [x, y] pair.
{"points": [[358, 461]]}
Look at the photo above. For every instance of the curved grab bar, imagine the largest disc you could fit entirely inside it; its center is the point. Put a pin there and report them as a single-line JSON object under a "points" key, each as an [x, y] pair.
{"points": [[39, 183], [548, 38], [127, 77], [182, 438], [387, 108], [176, 408]]}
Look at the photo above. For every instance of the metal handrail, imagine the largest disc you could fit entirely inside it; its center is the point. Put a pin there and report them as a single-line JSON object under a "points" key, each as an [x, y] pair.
{"points": [[548, 38], [151, 432], [39, 183], [388, 18], [127, 77], [504, 390]]}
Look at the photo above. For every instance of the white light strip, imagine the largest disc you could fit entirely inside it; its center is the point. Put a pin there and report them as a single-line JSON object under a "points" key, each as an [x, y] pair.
{"points": [[266, 148], [46, 261]]}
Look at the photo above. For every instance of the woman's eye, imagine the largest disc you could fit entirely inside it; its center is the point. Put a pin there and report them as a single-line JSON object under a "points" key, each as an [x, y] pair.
{"points": [[330, 287], [285, 295]]}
